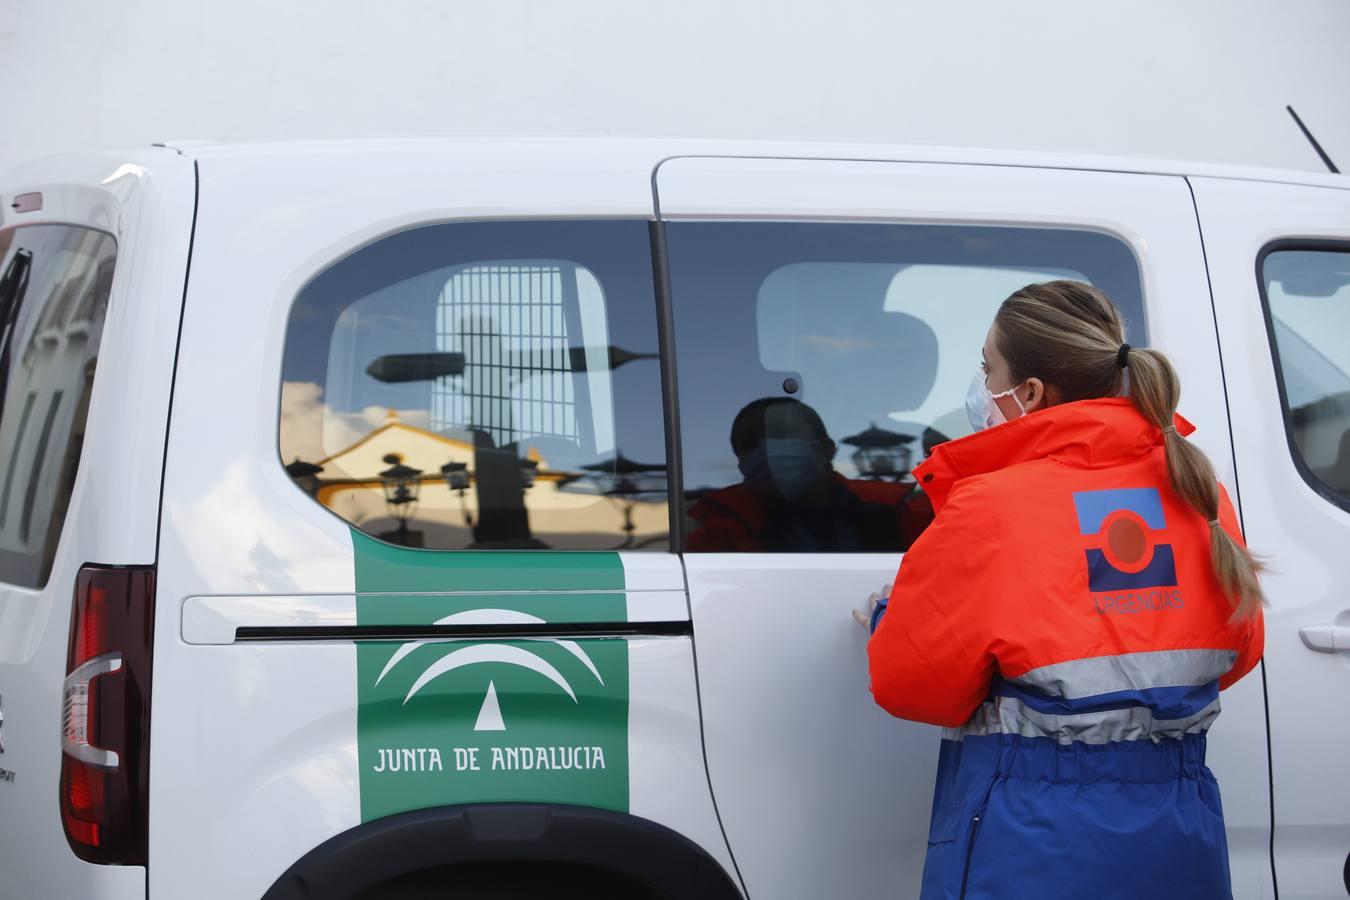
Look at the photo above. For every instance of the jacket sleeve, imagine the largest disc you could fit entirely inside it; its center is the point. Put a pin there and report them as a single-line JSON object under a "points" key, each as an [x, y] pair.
{"points": [[1251, 643], [1249, 635], [930, 658]]}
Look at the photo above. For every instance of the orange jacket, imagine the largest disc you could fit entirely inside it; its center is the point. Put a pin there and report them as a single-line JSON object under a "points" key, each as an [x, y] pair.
{"points": [[1058, 538]]}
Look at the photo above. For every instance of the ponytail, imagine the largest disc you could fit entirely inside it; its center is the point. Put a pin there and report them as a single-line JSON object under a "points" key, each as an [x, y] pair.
{"points": [[1071, 336], [1155, 390]]}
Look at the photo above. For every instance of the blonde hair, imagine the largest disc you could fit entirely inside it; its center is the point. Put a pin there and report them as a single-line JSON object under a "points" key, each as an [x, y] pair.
{"points": [[1070, 335]]}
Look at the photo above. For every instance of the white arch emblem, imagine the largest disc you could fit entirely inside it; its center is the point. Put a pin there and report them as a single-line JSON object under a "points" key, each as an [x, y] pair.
{"points": [[490, 652]]}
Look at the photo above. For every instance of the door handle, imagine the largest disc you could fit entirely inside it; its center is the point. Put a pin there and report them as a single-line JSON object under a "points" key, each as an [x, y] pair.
{"points": [[1326, 638]]}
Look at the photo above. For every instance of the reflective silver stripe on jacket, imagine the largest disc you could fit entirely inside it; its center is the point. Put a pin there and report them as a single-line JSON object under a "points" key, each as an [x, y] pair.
{"points": [[1082, 679], [1008, 715], [1088, 677]]}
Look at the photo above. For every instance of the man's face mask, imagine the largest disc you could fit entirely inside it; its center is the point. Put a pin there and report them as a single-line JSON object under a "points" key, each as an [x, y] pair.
{"points": [[980, 406], [789, 465]]}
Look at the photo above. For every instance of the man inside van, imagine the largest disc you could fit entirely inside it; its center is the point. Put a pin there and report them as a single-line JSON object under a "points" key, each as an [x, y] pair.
{"points": [[791, 499]]}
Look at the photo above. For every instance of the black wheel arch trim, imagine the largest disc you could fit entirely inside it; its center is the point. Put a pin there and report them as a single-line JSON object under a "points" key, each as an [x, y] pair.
{"points": [[376, 851]]}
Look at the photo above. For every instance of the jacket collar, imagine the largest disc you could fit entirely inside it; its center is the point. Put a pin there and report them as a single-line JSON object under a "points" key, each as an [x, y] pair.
{"points": [[1087, 434]]}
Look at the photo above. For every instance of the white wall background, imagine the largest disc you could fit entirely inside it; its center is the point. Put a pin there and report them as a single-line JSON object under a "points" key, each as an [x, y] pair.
{"points": [[1202, 79]]}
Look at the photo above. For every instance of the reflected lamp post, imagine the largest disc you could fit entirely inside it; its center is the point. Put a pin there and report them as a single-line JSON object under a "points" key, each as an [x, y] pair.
{"points": [[401, 488], [625, 483], [306, 475], [456, 475], [881, 454]]}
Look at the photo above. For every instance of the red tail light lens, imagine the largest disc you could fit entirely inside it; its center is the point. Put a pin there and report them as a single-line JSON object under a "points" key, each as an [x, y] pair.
{"points": [[105, 723]]}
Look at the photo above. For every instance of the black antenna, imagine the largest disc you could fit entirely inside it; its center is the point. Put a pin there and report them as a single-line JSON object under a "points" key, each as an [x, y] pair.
{"points": [[1312, 140]]}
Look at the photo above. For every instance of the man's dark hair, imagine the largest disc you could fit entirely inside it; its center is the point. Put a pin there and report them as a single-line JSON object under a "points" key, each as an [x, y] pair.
{"points": [[748, 428]]}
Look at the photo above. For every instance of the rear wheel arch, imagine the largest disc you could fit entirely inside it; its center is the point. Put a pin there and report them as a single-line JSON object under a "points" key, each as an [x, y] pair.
{"points": [[577, 839]]}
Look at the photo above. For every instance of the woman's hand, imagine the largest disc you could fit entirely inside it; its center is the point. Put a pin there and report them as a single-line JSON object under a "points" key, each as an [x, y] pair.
{"points": [[864, 616]]}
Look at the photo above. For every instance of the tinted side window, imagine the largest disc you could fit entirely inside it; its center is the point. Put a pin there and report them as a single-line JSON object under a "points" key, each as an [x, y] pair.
{"points": [[54, 285], [1308, 301], [483, 385], [818, 363]]}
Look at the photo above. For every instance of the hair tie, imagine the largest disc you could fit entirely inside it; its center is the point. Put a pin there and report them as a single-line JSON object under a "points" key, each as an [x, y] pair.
{"points": [[1213, 523], [1170, 429], [1123, 356]]}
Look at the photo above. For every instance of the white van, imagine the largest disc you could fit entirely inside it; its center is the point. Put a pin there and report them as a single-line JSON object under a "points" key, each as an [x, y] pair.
{"points": [[352, 568]]}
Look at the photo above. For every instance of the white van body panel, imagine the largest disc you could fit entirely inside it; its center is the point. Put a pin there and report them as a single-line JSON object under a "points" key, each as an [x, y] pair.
{"points": [[618, 154], [1303, 534], [145, 201], [244, 546], [788, 717]]}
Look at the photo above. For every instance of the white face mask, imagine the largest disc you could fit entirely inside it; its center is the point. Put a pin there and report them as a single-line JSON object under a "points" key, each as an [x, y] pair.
{"points": [[980, 406]]}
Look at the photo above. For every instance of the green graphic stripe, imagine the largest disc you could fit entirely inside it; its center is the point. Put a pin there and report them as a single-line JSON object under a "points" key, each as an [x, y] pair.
{"points": [[450, 722], [385, 568]]}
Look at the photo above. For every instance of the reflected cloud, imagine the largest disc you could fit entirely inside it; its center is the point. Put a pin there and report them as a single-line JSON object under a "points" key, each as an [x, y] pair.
{"points": [[311, 430]]}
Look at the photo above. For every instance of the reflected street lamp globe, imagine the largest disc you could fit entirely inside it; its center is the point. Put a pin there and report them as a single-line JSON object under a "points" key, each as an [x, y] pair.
{"points": [[881, 454], [401, 488], [305, 474], [456, 475]]}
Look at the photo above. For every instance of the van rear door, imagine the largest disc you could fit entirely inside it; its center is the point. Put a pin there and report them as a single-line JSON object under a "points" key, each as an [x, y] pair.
{"points": [[93, 251]]}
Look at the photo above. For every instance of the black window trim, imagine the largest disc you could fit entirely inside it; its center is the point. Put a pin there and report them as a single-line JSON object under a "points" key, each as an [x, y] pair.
{"points": [[670, 387], [1323, 245]]}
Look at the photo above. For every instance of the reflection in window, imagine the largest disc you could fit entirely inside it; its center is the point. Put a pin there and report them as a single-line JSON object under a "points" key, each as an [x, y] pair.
{"points": [[1309, 296], [467, 395], [13, 462], [54, 287], [818, 363]]}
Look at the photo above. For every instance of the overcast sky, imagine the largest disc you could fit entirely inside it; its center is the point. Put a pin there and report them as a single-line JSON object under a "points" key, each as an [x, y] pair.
{"points": [[1197, 80]]}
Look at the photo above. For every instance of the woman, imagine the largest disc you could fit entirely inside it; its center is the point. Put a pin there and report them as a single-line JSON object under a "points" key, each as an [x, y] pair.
{"points": [[1071, 616]]}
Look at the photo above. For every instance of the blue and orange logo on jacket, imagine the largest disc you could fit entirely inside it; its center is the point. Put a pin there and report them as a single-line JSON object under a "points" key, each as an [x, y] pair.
{"points": [[1128, 556]]}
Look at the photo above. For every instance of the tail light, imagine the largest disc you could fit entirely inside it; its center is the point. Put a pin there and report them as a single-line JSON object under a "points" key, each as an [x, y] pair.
{"points": [[105, 722]]}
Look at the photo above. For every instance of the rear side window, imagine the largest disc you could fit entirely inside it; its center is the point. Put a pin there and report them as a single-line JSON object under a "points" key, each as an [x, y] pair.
{"points": [[489, 385], [54, 285], [819, 362], [1307, 290]]}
